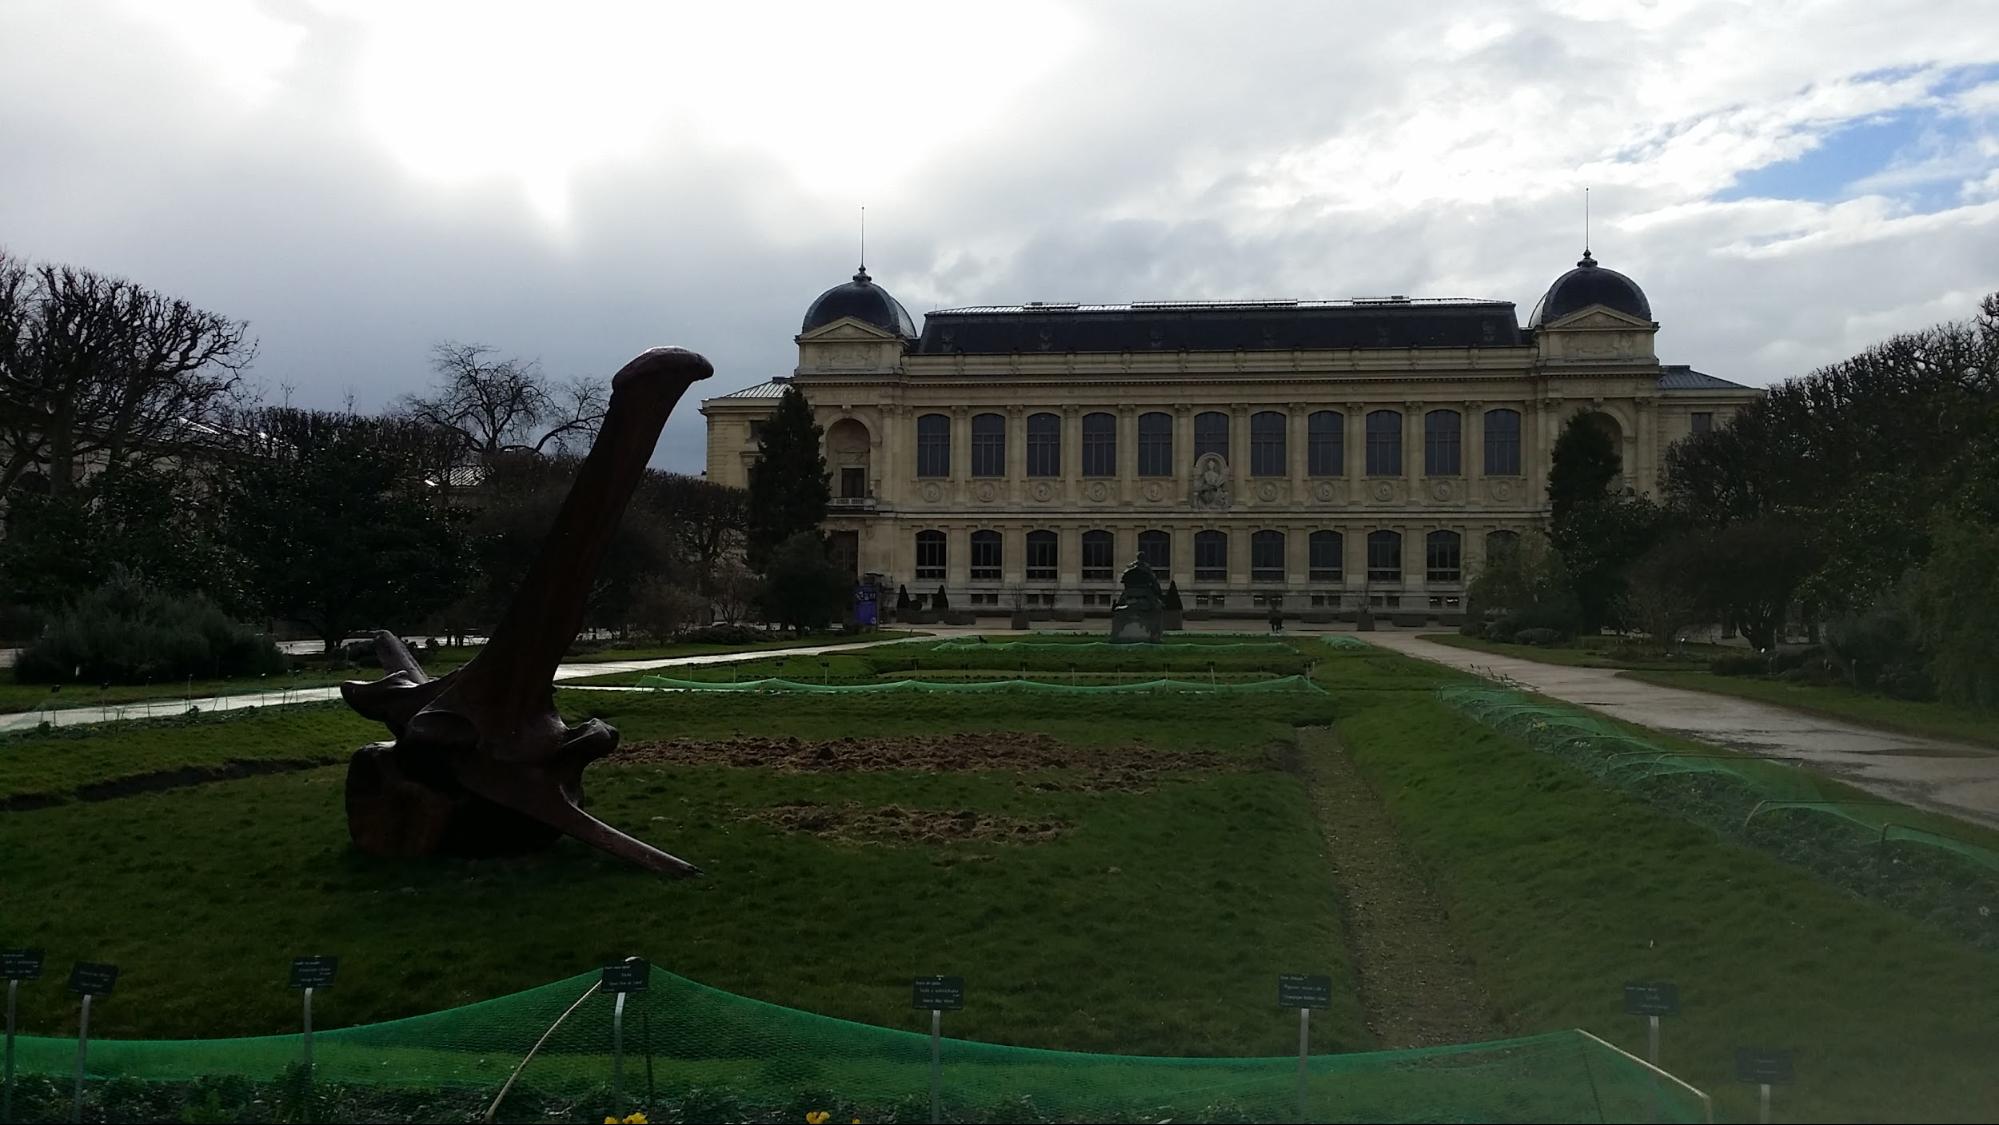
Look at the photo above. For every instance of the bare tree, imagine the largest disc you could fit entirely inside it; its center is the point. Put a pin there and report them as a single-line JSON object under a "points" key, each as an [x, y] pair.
{"points": [[99, 368], [500, 404]]}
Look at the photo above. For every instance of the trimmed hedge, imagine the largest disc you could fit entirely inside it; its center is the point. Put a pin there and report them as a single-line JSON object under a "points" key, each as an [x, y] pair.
{"points": [[124, 632]]}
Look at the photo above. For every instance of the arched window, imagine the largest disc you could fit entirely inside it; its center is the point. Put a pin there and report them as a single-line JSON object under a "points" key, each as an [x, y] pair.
{"points": [[988, 445], [1328, 550], [1384, 556], [1155, 444], [1266, 556], [1500, 546], [1211, 556], [1441, 440], [1100, 444], [1211, 434], [1099, 551], [1044, 445], [1325, 444], [933, 446], [1502, 443], [1041, 552], [985, 556], [1443, 557], [1384, 443], [1155, 549], [1266, 444], [929, 556]]}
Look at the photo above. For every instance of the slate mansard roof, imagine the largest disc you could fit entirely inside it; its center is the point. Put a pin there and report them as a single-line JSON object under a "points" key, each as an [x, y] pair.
{"points": [[1225, 326]]}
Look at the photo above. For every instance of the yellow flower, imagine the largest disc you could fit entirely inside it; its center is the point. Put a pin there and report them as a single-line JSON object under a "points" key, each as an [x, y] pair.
{"points": [[635, 1119], [817, 1117]]}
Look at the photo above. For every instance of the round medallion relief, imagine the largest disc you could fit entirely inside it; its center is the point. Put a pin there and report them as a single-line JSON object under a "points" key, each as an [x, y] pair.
{"points": [[1098, 490], [1323, 491], [933, 492], [1267, 491], [1502, 490], [985, 492], [1384, 490], [1441, 489], [1043, 491], [1155, 491]]}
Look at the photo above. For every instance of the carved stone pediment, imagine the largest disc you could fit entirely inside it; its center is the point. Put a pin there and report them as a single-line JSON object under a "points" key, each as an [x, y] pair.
{"points": [[1597, 317]]}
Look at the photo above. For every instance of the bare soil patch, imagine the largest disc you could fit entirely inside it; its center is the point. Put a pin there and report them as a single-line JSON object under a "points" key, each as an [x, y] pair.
{"points": [[899, 824], [1094, 768]]}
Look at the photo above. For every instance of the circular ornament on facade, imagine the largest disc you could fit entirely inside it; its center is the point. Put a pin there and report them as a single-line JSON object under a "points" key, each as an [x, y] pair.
{"points": [[1042, 491], [1267, 491], [1098, 490], [1384, 490], [1502, 490], [1155, 491], [985, 492], [933, 492], [1441, 489], [1324, 491]]}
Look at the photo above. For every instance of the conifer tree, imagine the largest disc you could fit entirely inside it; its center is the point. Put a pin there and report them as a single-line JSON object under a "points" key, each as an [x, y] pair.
{"points": [[788, 482]]}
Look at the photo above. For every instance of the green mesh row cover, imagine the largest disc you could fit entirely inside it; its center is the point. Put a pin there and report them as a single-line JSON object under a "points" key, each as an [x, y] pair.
{"points": [[692, 1053], [1134, 649], [1274, 684], [1601, 748]]}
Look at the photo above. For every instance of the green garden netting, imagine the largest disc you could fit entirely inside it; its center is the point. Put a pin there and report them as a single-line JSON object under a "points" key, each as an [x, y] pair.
{"points": [[692, 1053], [1346, 641], [1274, 684], [1176, 647]]}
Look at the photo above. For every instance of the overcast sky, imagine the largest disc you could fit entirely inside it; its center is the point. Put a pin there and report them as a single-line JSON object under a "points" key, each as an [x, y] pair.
{"points": [[578, 181]]}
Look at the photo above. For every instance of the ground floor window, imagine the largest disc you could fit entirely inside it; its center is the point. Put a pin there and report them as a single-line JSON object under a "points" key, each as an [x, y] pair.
{"points": [[1155, 549], [985, 556], [1384, 556], [929, 556], [1266, 556], [1326, 562], [1443, 555], [1041, 552], [1211, 556], [1097, 556]]}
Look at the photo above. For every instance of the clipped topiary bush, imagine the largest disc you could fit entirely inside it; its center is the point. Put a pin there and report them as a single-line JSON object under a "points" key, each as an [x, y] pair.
{"points": [[723, 635], [1538, 636], [125, 632], [1748, 664]]}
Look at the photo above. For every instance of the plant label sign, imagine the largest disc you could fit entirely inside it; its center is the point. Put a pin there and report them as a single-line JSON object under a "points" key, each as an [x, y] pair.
{"points": [[1297, 990], [1761, 1066], [938, 994], [314, 972], [627, 976], [20, 964], [1658, 998], [89, 978]]}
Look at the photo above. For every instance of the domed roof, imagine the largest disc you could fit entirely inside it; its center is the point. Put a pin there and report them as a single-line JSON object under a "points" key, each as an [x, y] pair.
{"points": [[861, 299], [1590, 284]]}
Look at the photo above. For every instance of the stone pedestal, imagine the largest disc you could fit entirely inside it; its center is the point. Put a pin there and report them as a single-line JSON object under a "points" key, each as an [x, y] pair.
{"points": [[1131, 625]]}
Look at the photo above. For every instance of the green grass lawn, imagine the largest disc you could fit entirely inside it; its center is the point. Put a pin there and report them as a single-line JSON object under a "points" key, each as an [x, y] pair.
{"points": [[1594, 652]]}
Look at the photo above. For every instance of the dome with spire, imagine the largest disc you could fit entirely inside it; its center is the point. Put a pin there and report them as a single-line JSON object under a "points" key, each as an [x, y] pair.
{"points": [[1590, 284], [863, 300]]}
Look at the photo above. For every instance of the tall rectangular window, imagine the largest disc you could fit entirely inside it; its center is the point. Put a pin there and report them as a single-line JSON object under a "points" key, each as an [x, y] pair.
{"points": [[1502, 443], [988, 445], [1155, 444], [1703, 421], [1442, 553], [985, 556], [1041, 556], [1266, 444], [1044, 445], [1099, 444], [933, 446], [1441, 444], [1384, 443], [929, 556], [1211, 556], [1326, 562], [1097, 561], [1325, 443], [1266, 556], [1155, 549], [1211, 434], [1384, 556]]}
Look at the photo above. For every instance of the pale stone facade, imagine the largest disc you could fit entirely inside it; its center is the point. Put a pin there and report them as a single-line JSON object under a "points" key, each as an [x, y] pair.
{"points": [[1409, 430]]}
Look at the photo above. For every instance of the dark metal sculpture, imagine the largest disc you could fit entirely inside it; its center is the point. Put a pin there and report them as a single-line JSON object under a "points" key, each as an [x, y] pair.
{"points": [[481, 764]]}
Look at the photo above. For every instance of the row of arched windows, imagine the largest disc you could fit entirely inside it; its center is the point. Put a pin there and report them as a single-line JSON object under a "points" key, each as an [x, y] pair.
{"points": [[1443, 555], [1269, 443]]}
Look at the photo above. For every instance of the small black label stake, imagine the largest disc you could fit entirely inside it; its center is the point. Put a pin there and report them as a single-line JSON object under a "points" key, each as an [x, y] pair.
{"points": [[16, 965], [939, 995], [310, 974], [1651, 1000], [1763, 1068], [633, 974], [88, 979], [1304, 992]]}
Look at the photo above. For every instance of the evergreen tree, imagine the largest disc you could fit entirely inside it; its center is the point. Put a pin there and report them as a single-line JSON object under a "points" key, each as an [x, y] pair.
{"points": [[1585, 462], [1598, 531], [788, 482]]}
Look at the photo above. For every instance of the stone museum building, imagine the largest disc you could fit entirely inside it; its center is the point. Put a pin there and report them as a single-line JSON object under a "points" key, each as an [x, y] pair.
{"points": [[1333, 453]]}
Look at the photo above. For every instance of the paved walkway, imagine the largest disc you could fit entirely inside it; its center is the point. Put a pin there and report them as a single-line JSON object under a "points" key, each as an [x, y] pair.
{"points": [[279, 697], [1952, 777]]}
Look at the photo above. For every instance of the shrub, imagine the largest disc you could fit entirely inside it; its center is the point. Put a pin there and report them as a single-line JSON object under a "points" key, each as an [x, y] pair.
{"points": [[1538, 636], [124, 632], [723, 635], [1472, 627], [1748, 664], [1882, 644], [1501, 630]]}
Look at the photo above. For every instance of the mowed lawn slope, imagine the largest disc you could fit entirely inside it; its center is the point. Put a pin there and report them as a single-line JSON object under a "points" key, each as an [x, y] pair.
{"points": [[1561, 889], [1153, 919]]}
